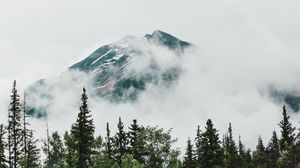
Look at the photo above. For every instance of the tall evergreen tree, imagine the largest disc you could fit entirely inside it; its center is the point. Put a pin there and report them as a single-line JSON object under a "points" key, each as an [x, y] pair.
{"points": [[136, 142], [273, 151], [259, 156], [2, 147], [32, 157], [198, 145], [25, 134], [287, 131], [15, 128], [287, 142], [189, 161], [83, 131], [211, 155], [108, 144], [56, 152], [70, 150], [231, 158], [120, 142]]}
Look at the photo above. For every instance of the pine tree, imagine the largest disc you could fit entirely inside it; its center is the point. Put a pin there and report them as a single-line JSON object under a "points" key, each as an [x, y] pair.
{"points": [[25, 134], [136, 142], [198, 145], [245, 158], [189, 161], [70, 150], [211, 155], [287, 142], [108, 144], [2, 147], [231, 159], [83, 131], [273, 151], [15, 129], [287, 131], [120, 142], [259, 156], [56, 152], [32, 157]]}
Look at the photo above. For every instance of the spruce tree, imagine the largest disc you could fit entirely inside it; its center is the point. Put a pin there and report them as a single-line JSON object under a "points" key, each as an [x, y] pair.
{"points": [[108, 144], [189, 161], [15, 129], [120, 142], [2, 147], [231, 159], [287, 142], [198, 145], [83, 131], [259, 155], [70, 150], [136, 142], [287, 131], [211, 155], [56, 152], [25, 134], [32, 157], [273, 151]]}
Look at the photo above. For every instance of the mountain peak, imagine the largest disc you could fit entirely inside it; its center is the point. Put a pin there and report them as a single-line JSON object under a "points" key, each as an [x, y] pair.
{"points": [[164, 38]]}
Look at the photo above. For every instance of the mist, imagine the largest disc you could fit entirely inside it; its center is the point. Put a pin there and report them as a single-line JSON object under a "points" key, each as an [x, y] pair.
{"points": [[241, 48]]}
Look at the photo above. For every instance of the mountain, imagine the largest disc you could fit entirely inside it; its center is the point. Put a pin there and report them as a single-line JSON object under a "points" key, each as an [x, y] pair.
{"points": [[117, 72]]}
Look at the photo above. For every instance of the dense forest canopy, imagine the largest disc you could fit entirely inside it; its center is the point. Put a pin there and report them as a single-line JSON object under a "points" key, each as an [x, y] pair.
{"points": [[138, 146]]}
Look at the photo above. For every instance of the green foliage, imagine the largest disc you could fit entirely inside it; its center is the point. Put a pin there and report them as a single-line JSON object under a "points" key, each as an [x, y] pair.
{"points": [[14, 129], [259, 156], [159, 147], [70, 145], [231, 157], [211, 153], [189, 161], [129, 162], [120, 143], [2, 147], [287, 131], [83, 132], [56, 152], [32, 157], [137, 142]]}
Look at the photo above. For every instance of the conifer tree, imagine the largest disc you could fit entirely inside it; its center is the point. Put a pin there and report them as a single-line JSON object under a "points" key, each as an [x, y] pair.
{"points": [[189, 161], [259, 156], [108, 147], [25, 134], [198, 145], [120, 142], [136, 142], [287, 131], [287, 142], [273, 151], [32, 157], [15, 129], [83, 131], [211, 155], [56, 152], [2, 147], [70, 150], [231, 159]]}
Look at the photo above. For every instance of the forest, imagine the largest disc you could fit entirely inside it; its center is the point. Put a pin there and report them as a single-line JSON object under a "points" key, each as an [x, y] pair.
{"points": [[138, 146]]}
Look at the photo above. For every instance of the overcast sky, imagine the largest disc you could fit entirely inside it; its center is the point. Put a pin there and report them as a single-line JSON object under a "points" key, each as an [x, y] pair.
{"points": [[253, 42]]}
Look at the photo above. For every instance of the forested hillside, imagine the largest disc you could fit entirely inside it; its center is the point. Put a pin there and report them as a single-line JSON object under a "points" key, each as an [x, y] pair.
{"points": [[137, 146]]}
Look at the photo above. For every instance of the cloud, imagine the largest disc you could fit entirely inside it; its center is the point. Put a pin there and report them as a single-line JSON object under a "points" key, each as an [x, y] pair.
{"points": [[243, 47]]}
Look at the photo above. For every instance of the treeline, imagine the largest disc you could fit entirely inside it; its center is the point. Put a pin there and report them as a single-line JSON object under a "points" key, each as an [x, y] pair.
{"points": [[138, 146]]}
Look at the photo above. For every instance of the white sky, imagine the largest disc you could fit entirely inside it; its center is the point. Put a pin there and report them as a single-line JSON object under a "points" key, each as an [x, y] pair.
{"points": [[253, 42]]}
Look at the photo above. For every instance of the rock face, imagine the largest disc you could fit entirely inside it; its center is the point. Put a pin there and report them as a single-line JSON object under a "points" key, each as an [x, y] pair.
{"points": [[117, 72]]}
